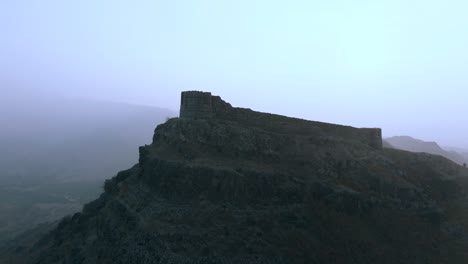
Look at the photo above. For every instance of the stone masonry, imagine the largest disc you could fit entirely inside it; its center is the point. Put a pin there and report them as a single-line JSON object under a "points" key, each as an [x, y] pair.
{"points": [[199, 105]]}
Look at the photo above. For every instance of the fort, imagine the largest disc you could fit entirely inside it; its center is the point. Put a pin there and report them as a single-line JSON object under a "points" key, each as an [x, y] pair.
{"points": [[203, 105]]}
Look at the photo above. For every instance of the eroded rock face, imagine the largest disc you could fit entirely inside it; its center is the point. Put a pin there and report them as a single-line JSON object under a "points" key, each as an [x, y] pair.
{"points": [[219, 191]]}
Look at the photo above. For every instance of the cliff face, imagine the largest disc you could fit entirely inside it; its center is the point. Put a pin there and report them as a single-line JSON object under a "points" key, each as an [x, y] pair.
{"points": [[224, 191]]}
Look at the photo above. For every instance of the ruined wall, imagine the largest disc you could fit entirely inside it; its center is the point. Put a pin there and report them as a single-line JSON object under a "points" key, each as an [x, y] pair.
{"points": [[195, 104], [374, 137]]}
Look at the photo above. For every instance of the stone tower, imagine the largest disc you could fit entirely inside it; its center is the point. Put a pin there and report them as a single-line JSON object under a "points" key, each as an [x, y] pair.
{"points": [[195, 104]]}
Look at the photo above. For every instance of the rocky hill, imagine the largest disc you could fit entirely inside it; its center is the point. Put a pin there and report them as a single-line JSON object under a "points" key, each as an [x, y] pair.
{"points": [[417, 145], [248, 187]]}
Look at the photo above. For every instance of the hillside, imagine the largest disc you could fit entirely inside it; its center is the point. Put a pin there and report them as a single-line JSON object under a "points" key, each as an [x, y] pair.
{"points": [[229, 185], [461, 151], [56, 154], [416, 145]]}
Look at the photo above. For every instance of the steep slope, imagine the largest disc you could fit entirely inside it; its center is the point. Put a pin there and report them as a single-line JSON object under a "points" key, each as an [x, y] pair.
{"points": [[223, 191], [416, 145]]}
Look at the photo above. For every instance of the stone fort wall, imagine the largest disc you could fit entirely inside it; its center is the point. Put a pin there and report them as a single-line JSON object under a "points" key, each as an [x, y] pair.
{"points": [[195, 104]]}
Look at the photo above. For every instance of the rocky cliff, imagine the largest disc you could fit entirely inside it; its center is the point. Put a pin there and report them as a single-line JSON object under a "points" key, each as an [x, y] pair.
{"points": [[223, 191]]}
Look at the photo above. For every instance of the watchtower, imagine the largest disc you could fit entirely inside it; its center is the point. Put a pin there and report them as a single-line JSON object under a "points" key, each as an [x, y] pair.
{"points": [[195, 104]]}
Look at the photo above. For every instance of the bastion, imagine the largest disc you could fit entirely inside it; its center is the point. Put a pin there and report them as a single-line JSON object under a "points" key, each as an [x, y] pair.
{"points": [[195, 104], [203, 105]]}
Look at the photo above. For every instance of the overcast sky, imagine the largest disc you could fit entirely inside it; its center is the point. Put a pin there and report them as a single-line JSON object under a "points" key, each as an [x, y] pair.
{"points": [[400, 65]]}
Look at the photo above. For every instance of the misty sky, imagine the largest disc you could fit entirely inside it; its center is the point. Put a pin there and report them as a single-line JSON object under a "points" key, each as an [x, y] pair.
{"points": [[400, 65]]}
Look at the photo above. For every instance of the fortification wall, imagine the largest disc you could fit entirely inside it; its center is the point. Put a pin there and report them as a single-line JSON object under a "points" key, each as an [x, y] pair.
{"points": [[219, 109], [374, 137], [195, 104], [288, 125]]}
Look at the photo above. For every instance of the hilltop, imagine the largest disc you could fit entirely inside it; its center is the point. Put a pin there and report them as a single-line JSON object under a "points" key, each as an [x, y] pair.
{"points": [[229, 185]]}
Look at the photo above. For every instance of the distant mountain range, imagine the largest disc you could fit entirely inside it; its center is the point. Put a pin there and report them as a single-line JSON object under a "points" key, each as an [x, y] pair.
{"points": [[461, 151], [416, 145]]}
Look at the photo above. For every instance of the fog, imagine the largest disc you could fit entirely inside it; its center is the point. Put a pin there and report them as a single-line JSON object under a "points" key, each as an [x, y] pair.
{"points": [[50, 139], [398, 65], [84, 83]]}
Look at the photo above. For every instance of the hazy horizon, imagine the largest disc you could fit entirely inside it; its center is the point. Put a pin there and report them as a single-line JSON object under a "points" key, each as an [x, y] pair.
{"points": [[393, 64]]}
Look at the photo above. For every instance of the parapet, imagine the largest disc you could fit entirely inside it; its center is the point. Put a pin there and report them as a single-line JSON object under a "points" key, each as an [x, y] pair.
{"points": [[196, 104]]}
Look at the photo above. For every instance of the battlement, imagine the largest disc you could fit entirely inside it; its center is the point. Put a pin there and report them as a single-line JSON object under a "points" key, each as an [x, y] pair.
{"points": [[197, 104]]}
